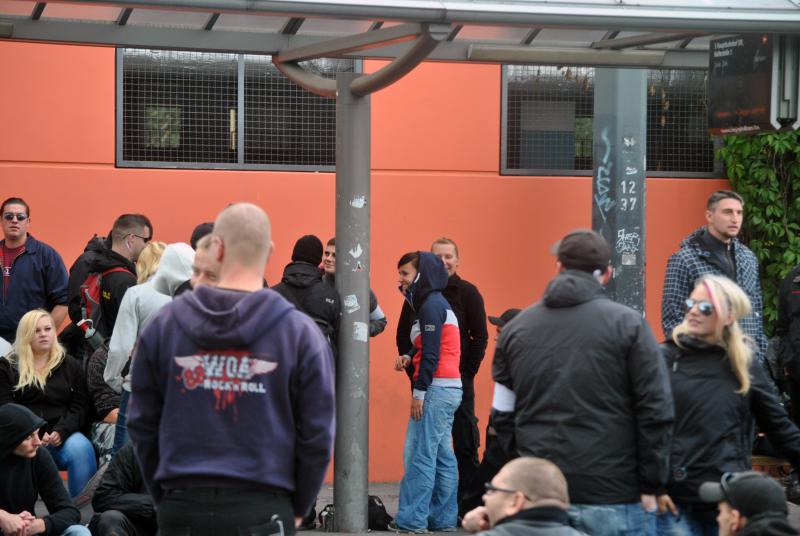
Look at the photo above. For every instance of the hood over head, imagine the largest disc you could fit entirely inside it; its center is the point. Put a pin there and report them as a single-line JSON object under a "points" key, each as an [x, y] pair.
{"points": [[572, 287], [431, 276], [16, 423], [217, 318], [174, 269]]}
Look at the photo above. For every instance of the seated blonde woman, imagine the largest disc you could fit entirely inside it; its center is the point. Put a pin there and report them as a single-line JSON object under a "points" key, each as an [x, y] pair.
{"points": [[39, 375]]}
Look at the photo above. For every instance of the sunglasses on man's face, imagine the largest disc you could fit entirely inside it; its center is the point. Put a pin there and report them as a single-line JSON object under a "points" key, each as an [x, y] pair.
{"points": [[706, 308], [20, 216], [146, 239]]}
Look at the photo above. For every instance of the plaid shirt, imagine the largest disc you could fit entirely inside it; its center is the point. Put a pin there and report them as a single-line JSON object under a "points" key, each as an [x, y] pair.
{"points": [[693, 260]]}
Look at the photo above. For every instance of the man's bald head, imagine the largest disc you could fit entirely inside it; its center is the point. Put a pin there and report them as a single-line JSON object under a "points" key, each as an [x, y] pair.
{"points": [[246, 235], [539, 479]]}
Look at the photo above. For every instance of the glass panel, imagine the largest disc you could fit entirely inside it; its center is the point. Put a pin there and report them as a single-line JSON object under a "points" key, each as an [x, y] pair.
{"points": [[333, 27], [16, 7], [249, 23], [504, 34], [172, 19], [80, 12]]}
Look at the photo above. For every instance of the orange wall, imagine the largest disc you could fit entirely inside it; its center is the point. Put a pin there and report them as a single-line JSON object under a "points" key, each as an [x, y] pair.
{"points": [[435, 155]]}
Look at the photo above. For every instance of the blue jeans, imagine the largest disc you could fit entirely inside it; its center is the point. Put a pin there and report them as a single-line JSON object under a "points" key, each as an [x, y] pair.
{"points": [[121, 429], [430, 483], [76, 530], [684, 525], [612, 519], [76, 456]]}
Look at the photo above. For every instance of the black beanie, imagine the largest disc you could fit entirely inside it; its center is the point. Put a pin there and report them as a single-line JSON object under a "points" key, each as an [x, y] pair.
{"points": [[308, 249], [16, 423]]}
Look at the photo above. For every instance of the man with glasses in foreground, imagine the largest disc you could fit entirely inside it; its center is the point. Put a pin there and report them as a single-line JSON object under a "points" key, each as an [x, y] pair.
{"points": [[750, 504], [34, 275], [527, 497]]}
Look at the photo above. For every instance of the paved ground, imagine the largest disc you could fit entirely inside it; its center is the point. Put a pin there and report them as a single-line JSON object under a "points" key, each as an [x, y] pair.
{"points": [[388, 492]]}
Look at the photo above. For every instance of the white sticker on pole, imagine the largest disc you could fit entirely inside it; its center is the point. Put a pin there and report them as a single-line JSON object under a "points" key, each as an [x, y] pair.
{"points": [[360, 331], [351, 304], [356, 252], [358, 201]]}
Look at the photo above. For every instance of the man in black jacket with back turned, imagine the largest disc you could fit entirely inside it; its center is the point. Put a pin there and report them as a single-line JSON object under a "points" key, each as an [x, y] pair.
{"points": [[303, 286], [591, 392], [123, 506]]}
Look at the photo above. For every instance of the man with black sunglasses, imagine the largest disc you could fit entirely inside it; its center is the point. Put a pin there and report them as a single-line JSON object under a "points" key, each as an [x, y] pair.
{"points": [[34, 275], [527, 497]]}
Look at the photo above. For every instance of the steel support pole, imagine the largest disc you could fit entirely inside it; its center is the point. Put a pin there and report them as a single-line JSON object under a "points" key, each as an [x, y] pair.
{"points": [[618, 188], [351, 461]]}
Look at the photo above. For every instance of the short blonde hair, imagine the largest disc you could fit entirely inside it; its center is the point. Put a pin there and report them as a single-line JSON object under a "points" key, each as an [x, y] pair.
{"points": [[149, 259]]}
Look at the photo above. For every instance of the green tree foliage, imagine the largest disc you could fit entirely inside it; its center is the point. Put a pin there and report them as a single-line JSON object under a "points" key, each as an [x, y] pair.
{"points": [[765, 171]]}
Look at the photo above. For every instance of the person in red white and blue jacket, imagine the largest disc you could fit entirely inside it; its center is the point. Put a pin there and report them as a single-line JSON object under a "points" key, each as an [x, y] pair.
{"points": [[429, 486]]}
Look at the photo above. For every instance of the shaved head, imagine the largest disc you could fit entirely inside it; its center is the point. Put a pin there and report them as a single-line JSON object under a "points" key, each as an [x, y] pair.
{"points": [[539, 479], [246, 235]]}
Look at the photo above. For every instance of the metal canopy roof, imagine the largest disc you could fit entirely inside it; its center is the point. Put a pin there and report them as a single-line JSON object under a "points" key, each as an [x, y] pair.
{"points": [[647, 33]]}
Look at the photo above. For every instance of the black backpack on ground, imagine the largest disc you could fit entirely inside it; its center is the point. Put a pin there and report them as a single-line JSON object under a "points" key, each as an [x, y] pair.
{"points": [[377, 516]]}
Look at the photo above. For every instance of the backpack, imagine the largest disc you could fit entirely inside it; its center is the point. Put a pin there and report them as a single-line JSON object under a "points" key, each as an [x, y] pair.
{"points": [[377, 516], [91, 290]]}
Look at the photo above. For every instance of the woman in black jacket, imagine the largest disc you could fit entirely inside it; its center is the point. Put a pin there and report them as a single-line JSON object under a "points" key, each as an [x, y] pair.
{"points": [[718, 390], [40, 376]]}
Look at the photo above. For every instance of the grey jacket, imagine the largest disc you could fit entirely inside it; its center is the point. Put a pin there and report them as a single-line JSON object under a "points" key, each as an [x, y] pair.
{"points": [[538, 521]]}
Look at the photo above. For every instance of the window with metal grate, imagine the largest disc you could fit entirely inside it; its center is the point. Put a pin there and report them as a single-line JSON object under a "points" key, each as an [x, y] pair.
{"points": [[218, 110], [548, 113]]}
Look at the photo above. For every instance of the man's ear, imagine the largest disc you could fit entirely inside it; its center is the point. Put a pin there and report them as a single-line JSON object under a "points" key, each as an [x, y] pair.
{"points": [[218, 247], [559, 267], [738, 521]]}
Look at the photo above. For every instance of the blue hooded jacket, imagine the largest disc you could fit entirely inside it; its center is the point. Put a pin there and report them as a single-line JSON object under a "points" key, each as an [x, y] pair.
{"points": [[433, 312], [233, 385]]}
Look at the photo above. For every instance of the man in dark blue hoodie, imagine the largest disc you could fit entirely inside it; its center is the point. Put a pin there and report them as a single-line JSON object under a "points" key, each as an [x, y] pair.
{"points": [[232, 404]]}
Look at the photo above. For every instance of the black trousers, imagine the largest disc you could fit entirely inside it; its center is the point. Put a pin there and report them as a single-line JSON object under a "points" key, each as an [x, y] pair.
{"points": [[216, 511], [466, 438], [115, 523]]}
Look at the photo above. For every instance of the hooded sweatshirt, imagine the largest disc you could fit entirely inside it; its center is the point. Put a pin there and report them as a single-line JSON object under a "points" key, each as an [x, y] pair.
{"points": [[234, 387], [113, 286], [139, 304], [434, 334], [22, 480]]}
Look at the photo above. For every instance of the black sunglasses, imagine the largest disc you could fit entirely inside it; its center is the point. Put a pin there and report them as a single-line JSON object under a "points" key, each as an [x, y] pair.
{"points": [[490, 488], [146, 239], [706, 308], [9, 216]]}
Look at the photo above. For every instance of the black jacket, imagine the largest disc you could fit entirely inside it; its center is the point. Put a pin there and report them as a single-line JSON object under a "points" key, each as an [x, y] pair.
{"points": [[64, 403], [713, 432], [537, 521], [104, 398], [303, 286], [23, 480], [770, 525], [467, 304], [377, 320], [788, 325], [78, 273], [122, 489], [592, 392]]}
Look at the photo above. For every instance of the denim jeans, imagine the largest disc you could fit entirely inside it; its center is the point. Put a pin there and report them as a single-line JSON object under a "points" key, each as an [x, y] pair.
{"points": [[121, 429], [76, 530], [430, 483], [612, 519], [684, 525], [76, 456]]}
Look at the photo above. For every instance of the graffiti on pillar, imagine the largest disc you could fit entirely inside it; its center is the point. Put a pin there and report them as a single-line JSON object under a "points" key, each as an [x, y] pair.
{"points": [[350, 303], [602, 198], [356, 251], [627, 246]]}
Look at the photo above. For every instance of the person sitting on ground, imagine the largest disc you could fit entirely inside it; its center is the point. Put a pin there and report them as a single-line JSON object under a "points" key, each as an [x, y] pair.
{"points": [[528, 496], [122, 505], [750, 504], [138, 306], [27, 472], [39, 375]]}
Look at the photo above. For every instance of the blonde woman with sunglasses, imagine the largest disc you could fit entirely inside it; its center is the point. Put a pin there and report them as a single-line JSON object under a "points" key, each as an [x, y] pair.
{"points": [[718, 390]]}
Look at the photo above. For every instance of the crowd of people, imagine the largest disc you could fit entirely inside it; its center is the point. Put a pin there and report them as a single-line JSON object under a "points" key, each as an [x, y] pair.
{"points": [[187, 396]]}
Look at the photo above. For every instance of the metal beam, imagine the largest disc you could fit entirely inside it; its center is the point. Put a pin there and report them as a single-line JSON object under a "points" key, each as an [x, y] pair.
{"points": [[647, 39], [38, 9], [377, 25], [292, 25], [453, 33], [212, 20], [341, 45], [530, 36], [667, 59], [124, 15], [718, 17]]}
